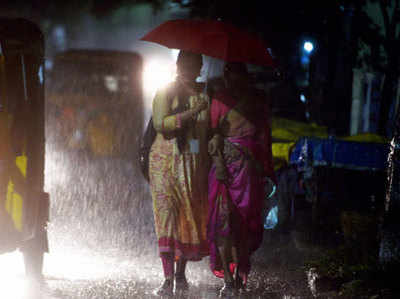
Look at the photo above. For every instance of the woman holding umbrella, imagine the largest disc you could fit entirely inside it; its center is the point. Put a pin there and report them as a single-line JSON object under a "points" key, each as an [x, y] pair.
{"points": [[178, 169], [242, 165], [241, 148]]}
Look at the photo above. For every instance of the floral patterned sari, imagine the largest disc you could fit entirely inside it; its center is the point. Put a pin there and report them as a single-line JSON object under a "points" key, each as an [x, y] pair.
{"points": [[178, 178]]}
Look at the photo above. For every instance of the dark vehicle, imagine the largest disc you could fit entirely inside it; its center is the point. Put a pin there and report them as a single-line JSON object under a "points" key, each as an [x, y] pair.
{"points": [[24, 206], [96, 97]]}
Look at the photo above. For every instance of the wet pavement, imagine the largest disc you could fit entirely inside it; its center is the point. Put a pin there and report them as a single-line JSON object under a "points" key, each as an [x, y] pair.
{"points": [[102, 241], [82, 273]]}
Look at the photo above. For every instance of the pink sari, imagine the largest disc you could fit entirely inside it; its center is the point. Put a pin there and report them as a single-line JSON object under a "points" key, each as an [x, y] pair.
{"points": [[235, 207]]}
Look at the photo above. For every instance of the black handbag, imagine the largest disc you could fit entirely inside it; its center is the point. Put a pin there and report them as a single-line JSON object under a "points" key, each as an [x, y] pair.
{"points": [[145, 146]]}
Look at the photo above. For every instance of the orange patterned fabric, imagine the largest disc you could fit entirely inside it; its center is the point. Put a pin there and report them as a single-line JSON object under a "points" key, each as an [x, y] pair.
{"points": [[178, 182]]}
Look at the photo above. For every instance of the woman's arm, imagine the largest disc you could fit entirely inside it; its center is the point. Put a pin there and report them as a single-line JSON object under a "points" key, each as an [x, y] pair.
{"points": [[221, 173], [217, 157], [215, 149], [216, 143], [164, 121]]}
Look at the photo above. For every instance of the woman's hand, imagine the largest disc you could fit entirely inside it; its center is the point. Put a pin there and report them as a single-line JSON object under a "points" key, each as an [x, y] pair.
{"points": [[200, 105], [215, 144], [191, 114], [221, 172]]}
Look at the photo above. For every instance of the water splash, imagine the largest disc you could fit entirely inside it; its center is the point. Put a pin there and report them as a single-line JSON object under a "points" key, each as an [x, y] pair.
{"points": [[312, 276]]}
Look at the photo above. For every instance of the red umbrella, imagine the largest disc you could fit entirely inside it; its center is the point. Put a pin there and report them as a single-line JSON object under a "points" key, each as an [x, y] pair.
{"points": [[212, 38]]}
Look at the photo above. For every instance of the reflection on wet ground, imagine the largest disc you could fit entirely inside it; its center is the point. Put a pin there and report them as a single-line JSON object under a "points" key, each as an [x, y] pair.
{"points": [[72, 272], [102, 241]]}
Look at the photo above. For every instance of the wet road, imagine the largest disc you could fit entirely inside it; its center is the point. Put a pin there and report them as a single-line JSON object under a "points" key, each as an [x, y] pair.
{"points": [[82, 273], [102, 242]]}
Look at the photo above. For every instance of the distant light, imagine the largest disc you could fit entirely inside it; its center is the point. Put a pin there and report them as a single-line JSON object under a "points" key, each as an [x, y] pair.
{"points": [[60, 37], [158, 74], [303, 98], [40, 74], [305, 59], [48, 64], [269, 50], [13, 283], [111, 83], [308, 46]]}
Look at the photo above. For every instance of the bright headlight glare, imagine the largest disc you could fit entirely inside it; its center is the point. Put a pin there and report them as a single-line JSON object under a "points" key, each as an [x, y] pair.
{"points": [[158, 74], [14, 284]]}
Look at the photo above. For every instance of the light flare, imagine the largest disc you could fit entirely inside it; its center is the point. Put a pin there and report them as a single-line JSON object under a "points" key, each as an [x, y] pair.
{"points": [[13, 285], [308, 46], [157, 74]]}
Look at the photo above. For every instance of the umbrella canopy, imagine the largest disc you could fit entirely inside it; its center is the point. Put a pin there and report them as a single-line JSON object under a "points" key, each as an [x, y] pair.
{"points": [[212, 38]]}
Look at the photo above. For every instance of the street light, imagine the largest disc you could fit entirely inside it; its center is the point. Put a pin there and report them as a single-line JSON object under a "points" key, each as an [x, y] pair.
{"points": [[308, 46], [305, 56]]}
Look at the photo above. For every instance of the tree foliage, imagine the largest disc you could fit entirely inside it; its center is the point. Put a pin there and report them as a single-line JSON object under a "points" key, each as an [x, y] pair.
{"points": [[365, 43], [383, 41]]}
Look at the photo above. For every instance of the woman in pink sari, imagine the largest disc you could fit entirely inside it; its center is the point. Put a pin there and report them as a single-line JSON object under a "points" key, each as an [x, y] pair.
{"points": [[242, 162]]}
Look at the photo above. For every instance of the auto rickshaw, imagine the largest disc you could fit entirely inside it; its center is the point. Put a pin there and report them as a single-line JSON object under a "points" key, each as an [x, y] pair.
{"points": [[96, 96], [24, 206]]}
